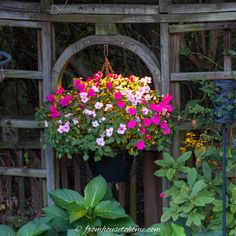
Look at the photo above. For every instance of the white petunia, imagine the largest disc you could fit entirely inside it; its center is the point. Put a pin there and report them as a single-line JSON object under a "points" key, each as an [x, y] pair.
{"points": [[95, 124], [109, 132], [98, 105]]}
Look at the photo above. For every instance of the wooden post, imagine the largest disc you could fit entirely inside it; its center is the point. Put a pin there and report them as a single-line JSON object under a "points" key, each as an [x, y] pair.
{"points": [[227, 45], [47, 45]]}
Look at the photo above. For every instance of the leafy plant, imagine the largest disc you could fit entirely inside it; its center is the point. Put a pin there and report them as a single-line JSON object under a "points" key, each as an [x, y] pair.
{"points": [[75, 215]]}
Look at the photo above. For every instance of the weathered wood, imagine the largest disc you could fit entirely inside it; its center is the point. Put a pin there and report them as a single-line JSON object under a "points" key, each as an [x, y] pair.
{"points": [[163, 6], [105, 9], [117, 40], [64, 172], [227, 45], [19, 6], [13, 123], [105, 29], [23, 74], [121, 193], [181, 28], [19, 145], [45, 5], [25, 24], [23, 172], [165, 66], [47, 32], [201, 8], [188, 76], [133, 196], [77, 176]]}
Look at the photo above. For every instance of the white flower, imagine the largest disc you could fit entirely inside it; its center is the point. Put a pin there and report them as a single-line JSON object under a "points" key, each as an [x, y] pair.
{"points": [[109, 132], [75, 121], [121, 129], [147, 89], [95, 89], [83, 95], [145, 111], [84, 99], [95, 124], [108, 106], [59, 122], [45, 123], [68, 115], [102, 119], [100, 141], [147, 97], [98, 105]]}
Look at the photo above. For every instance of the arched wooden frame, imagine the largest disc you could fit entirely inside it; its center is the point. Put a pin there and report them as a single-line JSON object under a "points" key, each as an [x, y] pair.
{"points": [[117, 40]]}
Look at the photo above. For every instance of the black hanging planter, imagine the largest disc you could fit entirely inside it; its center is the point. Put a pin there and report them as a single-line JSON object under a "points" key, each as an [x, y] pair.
{"points": [[114, 170], [224, 101], [224, 113]]}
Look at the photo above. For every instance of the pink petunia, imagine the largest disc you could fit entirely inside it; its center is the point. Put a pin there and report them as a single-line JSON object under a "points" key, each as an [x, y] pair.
{"points": [[140, 145], [79, 85], [131, 124], [109, 85], [143, 130], [132, 111], [148, 137], [118, 95], [164, 125], [147, 122], [153, 106], [91, 93], [51, 98], [167, 99], [169, 108], [163, 195], [120, 104], [156, 120], [60, 91], [88, 79], [65, 101], [54, 113], [166, 131], [114, 76]]}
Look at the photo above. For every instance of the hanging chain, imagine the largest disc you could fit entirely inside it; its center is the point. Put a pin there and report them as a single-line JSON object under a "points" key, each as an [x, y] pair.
{"points": [[107, 65]]}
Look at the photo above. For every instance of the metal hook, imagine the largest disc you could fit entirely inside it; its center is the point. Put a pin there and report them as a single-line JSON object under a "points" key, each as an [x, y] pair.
{"points": [[106, 50]]}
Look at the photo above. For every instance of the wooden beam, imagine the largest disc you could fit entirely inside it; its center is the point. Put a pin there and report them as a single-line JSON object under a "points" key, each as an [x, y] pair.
{"points": [[188, 76], [19, 6], [227, 45], [23, 172], [163, 6], [17, 23], [23, 74], [201, 8], [14, 123], [180, 28], [20, 145], [45, 5], [105, 9]]}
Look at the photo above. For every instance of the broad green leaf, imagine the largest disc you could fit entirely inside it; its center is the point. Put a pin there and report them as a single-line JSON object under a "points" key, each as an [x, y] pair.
{"points": [[229, 218], [76, 211], [192, 177], [7, 231], [209, 233], [110, 210], [168, 158], [217, 205], [184, 157], [121, 222], [170, 173], [63, 197], [73, 232], [206, 170], [54, 211], [184, 52], [166, 215], [196, 220], [95, 191], [203, 200], [32, 229], [162, 163], [197, 188], [161, 173], [178, 230]]}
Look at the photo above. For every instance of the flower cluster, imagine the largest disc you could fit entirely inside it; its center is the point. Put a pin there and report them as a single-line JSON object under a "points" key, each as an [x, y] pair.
{"points": [[107, 112]]}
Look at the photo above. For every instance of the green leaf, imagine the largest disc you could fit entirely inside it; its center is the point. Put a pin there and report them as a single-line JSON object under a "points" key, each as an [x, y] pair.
{"points": [[184, 51], [166, 215], [203, 200], [119, 223], [168, 158], [196, 220], [32, 229], [162, 163], [197, 188], [170, 173], [178, 230], [76, 211], [191, 177], [110, 210], [161, 173], [184, 157], [95, 191], [63, 197], [54, 211], [6, 231], [73, 232], [206, 170], [209, 233]]}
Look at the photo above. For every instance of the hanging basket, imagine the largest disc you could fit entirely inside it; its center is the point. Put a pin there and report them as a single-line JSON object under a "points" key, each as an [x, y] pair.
{"points": [[114, 170], [224, 101]]}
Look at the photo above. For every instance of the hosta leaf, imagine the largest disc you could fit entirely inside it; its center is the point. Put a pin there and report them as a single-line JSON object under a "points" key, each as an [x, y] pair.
{"points": [[6, 231], [63, 197], [121, 222], [110, 210], [32, 229], [73, 232], [95, 191]]}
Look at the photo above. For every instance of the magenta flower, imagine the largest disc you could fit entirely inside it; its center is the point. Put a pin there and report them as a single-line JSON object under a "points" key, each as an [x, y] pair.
{"points": [[167, 99], [148, 137], [91, 93], [54, 113], [109, 85], [51, 98], [147, 122], [169, 108], [132, 111], [60, 91], [164, 125], [88, 79], [166, 131], [156, 120], [79, 85], [131, 124], [65, 101], [153, 106], [163, 195], [143, 130], [140, 145], [118, 95], [114, 76], [120, 104]]}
